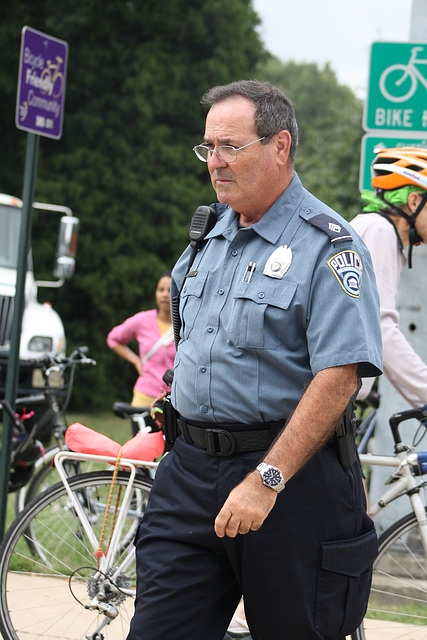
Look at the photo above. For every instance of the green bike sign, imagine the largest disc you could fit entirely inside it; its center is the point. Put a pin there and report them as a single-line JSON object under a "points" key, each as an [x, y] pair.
{"points": [[397, 94]]}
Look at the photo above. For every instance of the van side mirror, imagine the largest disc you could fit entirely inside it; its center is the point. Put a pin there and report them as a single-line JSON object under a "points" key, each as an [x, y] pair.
{"points": [[66, 247]]}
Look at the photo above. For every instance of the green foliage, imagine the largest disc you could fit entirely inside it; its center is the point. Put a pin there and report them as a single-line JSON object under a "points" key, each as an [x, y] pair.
{"points": [[330, 131], [124, 164]]}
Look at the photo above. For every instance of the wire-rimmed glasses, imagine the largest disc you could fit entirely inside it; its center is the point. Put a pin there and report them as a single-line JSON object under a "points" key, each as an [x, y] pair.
{"points": [[225, 152]]}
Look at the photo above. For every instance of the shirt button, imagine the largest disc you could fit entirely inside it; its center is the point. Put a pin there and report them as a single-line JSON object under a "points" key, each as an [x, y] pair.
{"points": [[234, 253], [221, 292], [203, 369], [261, 295], [203, 409], [307, 210], [210, 329]]}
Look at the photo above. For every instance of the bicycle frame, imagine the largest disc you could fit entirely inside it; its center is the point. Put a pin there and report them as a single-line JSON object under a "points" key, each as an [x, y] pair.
{"points": [[402, 482], [130, 465]]}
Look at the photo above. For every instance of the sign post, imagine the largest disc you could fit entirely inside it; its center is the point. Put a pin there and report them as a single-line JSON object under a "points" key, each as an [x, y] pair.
{"points": [[395, 112], [39, 110], [397, 93], [41, 84]]}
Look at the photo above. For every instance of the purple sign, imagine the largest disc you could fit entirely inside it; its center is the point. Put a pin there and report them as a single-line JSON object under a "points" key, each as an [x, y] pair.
{"points": [[41, 84]]}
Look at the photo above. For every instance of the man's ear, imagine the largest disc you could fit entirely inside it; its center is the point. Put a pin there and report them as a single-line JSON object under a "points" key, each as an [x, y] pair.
{"points": [[413, 201], [283, 145]]}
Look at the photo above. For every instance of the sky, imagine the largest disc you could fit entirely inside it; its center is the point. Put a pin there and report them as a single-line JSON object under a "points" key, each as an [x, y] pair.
{"points": [[340, 32]]}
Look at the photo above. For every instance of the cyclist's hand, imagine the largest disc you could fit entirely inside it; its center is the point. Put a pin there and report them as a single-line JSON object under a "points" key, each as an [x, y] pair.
{"points": [[246, 507], [157, 415]]}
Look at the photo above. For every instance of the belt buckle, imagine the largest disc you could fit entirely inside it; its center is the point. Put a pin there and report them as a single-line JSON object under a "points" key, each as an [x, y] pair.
{"points": [[215, 435]]}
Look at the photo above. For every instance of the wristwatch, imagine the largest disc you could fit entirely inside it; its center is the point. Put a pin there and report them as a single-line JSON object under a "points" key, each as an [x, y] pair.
{"points": [[271, 476]]}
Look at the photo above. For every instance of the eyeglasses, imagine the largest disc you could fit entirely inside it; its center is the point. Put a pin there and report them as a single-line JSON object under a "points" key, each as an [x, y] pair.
{"points": [[225, 152]]}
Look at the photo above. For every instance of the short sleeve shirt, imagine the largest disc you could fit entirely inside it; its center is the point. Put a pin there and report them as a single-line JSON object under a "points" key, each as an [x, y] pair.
{"points": [[264, 308]]}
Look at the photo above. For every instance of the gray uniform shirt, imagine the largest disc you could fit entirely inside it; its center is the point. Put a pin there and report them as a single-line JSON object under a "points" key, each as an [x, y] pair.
{"points": [[253, 338]]}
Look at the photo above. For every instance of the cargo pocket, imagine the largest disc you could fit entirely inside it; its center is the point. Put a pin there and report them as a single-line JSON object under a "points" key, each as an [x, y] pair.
{"points": [[344, 583]]}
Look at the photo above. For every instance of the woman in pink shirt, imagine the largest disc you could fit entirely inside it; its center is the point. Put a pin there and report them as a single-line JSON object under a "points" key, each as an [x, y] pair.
{"points": [[153, 331]]}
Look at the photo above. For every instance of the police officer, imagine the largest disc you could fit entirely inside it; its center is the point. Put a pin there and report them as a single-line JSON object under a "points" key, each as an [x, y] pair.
{"points": [[279, 320]]}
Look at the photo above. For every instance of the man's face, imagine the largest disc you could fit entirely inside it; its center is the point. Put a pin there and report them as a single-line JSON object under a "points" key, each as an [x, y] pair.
{"points": [[250, 184], [421, 223]]}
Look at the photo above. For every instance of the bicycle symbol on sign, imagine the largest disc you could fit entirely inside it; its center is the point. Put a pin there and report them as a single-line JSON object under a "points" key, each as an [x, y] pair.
{"points": [[56, 78], [398, 82]]}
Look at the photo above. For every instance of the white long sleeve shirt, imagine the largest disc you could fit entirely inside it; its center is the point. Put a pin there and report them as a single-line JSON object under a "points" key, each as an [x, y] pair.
{"points": [[401, 365]]}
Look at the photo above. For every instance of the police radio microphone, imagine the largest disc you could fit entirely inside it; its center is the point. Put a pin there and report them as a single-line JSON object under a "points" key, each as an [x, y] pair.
{"points": [[202, 222]]}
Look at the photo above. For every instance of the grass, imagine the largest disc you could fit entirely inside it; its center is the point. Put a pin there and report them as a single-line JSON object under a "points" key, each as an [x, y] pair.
{"points": [[412, 613], [107, 423]]}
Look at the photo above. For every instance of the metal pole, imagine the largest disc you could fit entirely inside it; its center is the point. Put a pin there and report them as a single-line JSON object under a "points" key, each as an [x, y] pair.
{"points": [[30, 172], [418, 21]]}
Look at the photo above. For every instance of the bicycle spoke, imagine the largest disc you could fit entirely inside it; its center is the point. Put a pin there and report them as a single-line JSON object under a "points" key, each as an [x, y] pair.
{"points": [[397, 606]]}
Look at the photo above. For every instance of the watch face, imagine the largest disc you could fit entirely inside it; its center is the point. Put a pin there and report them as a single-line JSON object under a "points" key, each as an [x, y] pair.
{"points": [[273, 477]]}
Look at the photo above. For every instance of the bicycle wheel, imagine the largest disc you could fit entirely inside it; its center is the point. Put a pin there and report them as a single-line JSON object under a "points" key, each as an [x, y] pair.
{"points": [[50, 586], [397, 605], [45, 476], [37, 482], [398, 83]]}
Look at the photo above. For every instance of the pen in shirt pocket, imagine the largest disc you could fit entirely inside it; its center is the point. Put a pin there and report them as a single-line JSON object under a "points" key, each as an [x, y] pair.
{"points": [[249, 271]]}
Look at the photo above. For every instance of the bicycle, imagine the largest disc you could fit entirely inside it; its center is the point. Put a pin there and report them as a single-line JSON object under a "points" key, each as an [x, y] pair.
{"points": [[52, 73], [58, 576], [53, 547], [404, 71], [37, 419], [397, 604]]}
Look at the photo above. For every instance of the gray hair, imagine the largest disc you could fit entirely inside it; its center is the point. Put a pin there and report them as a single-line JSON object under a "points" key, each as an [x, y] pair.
{"points": [[273, 110]]}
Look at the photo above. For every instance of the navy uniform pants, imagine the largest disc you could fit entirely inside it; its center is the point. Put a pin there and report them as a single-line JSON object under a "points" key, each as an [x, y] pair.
{"points": [[305, 574]]}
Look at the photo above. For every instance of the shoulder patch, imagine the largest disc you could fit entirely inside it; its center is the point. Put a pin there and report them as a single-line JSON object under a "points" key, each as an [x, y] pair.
{"points": [[336, 231], [348, 269]]}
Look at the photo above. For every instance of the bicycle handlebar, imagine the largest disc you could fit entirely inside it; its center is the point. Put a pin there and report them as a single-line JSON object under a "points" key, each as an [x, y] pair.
{"points": [[77, 356], [419, 413]]}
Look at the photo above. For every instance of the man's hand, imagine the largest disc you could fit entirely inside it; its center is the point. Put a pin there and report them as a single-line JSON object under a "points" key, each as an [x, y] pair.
{"points": [[246, 507], [310, 426]]}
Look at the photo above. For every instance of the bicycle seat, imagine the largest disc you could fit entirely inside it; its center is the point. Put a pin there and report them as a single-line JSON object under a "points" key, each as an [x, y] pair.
{"points": [[143, 446], [124, 410]]}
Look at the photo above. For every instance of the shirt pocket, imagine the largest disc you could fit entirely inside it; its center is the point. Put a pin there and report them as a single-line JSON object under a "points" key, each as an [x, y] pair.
{"points": [[260, 313], [191, 301], [344, 582]]}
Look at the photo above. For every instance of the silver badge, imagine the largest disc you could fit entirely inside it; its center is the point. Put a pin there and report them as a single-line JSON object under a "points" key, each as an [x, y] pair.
{"points": [[278, 263]]}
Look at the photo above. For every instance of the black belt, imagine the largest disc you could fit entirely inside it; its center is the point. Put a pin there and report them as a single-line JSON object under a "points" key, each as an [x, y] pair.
{"points": [[225, 439]]}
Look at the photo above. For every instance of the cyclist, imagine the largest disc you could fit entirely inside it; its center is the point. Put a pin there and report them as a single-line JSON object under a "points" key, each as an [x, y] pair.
{"points": [[394, 220]]}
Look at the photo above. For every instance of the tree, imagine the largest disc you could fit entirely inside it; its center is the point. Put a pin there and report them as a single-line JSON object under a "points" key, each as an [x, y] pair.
{"points": [[124, 164], [330, 130]]}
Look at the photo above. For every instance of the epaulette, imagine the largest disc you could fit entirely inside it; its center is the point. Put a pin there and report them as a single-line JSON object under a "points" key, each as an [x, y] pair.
{"points": [[336, 231]]}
